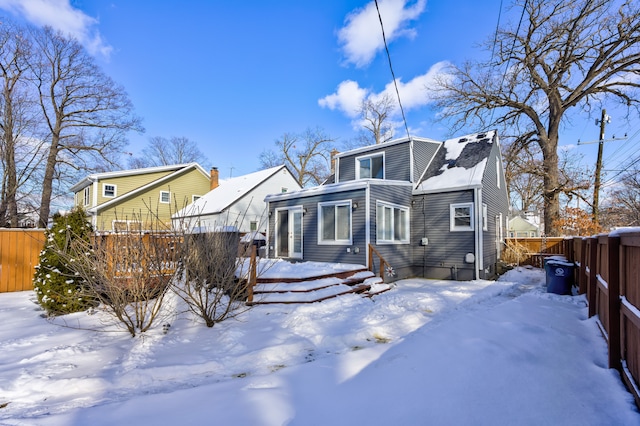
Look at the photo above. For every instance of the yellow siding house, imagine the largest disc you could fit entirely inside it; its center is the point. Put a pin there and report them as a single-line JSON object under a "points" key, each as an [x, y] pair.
{"points": [[139, 199]]}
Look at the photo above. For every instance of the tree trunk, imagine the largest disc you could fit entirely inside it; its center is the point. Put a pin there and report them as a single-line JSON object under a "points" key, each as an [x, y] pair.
{"points": [[551, 183], [47, 184]]}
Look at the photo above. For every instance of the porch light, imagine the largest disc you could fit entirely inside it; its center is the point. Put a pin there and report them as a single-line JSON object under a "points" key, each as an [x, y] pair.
{"points": [[354, 205]]}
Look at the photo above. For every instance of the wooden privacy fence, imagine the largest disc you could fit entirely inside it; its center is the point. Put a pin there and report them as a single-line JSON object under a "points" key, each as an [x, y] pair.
{"points": [[532, 251], [607, 270], [19, 252]]}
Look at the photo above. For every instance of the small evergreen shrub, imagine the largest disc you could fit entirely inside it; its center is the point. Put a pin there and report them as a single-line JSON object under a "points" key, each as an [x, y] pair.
{"points": [[59, 290]]}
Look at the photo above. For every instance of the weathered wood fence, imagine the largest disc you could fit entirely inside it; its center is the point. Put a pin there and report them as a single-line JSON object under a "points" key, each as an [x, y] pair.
{"points": [[607, 270], [19, 251], [532, 251]]}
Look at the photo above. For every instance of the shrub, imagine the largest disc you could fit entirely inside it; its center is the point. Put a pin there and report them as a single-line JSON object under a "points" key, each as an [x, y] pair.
{"points": [[59, 290]]}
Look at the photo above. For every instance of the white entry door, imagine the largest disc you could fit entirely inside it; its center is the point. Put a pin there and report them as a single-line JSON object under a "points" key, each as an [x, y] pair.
{"points": [[289, 232]]}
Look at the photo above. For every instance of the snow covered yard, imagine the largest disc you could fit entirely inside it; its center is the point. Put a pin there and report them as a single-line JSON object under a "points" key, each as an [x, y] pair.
{"points": [[425, 352]]}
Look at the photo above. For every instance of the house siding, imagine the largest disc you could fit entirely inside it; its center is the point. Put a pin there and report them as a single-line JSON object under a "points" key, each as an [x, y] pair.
{"points": [[397, 255], [312, 251], [397, 156], [145, 206], [125, 184], [443, 256], [496, 199]]}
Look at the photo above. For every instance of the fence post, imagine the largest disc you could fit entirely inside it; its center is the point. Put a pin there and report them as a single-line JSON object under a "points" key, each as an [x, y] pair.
{"points": [[613, 285], [582, 278], [252, 274], [592, 281]]}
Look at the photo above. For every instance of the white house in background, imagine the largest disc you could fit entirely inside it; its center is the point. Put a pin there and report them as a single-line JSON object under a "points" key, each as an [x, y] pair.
{"points": [[237, 202]]}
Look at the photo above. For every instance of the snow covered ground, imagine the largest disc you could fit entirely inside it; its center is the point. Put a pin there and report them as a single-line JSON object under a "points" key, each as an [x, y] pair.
{"points": [[425, 352]]}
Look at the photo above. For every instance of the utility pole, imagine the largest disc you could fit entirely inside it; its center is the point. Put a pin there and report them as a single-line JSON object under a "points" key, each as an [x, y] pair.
{"points": [[604, 120], [596, 185]]}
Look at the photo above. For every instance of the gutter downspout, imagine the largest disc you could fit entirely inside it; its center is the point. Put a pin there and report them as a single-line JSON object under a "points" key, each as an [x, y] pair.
{"points": [[478, 232], [268, 230], [367, 223]]}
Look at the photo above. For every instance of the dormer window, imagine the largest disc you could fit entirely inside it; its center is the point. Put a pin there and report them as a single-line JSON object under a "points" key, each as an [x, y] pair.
{"points": [[370, 167]]}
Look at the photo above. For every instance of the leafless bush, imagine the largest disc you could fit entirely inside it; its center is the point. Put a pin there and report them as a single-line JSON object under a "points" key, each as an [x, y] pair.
{"points": [[213, 285], [515, 252], [128, 273]]}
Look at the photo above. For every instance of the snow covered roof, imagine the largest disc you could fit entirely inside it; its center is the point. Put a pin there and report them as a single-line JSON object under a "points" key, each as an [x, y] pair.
{"points": [[459, 163], [334, 188], [177, 170], [367, 148], [229, 191], [94, 177]]}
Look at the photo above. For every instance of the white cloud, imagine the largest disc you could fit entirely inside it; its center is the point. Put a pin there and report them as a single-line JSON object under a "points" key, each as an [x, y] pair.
{"points": [[414, 94], [60, 15], [361, 37], [347, 98]]}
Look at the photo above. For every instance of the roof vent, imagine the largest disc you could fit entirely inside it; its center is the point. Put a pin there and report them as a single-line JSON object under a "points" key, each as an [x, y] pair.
{"points": [[462, 140], [451, 164], [481, 136]]}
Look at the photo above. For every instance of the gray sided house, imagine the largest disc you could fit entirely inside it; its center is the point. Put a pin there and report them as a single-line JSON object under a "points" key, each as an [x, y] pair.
{"points": [[432, 209]]}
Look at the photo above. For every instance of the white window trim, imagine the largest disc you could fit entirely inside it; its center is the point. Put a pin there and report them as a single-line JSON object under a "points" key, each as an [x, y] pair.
{"points": [[362, 157], [408, 223], [452, 211], [165, 192], [104, 190], [86, 194], [128, 225], [485, 224], [498, 172], [321, 241]]}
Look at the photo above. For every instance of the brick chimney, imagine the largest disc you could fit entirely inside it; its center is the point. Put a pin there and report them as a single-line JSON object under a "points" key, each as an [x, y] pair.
{"points": [[334, 152], [214, 178]]}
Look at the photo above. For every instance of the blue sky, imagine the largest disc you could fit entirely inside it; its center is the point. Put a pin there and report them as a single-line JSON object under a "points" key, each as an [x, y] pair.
{"points": [[235, 76]]}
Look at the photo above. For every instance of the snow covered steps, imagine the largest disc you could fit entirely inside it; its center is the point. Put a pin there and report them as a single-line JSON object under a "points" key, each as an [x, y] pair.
{"points": [[316, 289]]}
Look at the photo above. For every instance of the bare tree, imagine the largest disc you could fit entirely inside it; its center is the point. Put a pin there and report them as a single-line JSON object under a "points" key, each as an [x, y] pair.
{"points": [[524, 175], [164, 152], [375, 114], [569, 53], [18, 153], [623, 203], [87, 115], [308, 155]]}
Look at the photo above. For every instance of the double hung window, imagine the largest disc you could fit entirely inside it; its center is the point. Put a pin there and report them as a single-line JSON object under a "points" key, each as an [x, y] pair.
{"points": [[392, 223], [461, 217], [334, 225], [371, 167]]}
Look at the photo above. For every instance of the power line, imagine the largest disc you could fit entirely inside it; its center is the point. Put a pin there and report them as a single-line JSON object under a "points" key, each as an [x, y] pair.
{"points": [[513, 46], [384, 39], [495, 37]]}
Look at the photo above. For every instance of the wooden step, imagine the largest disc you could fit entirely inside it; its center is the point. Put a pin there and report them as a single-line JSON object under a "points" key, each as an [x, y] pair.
{"points": [[314, 289]]}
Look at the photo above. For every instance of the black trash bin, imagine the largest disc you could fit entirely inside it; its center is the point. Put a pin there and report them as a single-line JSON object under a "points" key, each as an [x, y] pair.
{"points": [[559, 275]]}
